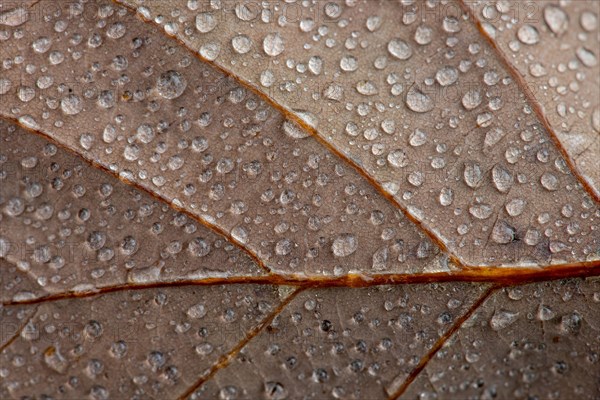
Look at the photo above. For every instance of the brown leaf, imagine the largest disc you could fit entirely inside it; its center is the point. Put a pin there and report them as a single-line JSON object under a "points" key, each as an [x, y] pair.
{"points": [[299, 200]]}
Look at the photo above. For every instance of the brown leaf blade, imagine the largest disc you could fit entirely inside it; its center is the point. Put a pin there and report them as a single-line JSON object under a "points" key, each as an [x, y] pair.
{"points": [[198, 139], [337, 343], [74, 228], [281, 200], [554, 47], [425, 108], [149, 343], [534, 340]]}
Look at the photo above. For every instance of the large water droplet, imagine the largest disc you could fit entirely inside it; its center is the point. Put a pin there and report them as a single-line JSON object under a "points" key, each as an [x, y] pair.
{"points": [[71, 104], [418, 101], [171, 84], [502, 319], [273, 44], [399, 49], [205, 22], [528, 34], [15, 17], [556, 19], [344, 245]]}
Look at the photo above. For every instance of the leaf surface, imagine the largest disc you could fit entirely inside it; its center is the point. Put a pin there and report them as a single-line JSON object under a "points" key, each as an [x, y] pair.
{"points": [[299, 200]]}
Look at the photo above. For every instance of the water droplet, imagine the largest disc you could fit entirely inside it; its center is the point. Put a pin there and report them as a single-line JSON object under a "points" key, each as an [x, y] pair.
{"points": [[596, 120], [205, 22], [241, 44], [472, 99], [116, 30], [423, 35], [502, 319], [210, 51], [334, 92], [14, 207], [71, 104], [41, 45], [196, 311], [556, 19], [587, 57], [273, 44], [515, 207], [284, 247], [588, 21], [228, 393], [473, 175], [86, 141], [294, 131], [348, 63], [15, 17], [446, 196], [4, 246], [367, 88], [571, 323], [549, 181], [397, 158], [481, 211], [446, 76], [275, 391], [344, 245], [528, 34], [315, 65], [502, 178], [55, 360], [199, 247], [493, 136], [418, 138], [399, 49], [418, 101], [171, 84], [545, 313], [503, 233]]}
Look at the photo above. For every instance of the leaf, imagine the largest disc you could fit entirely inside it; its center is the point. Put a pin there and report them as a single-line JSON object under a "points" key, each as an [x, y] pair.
{"points": [[325, 200], [525, 352]]}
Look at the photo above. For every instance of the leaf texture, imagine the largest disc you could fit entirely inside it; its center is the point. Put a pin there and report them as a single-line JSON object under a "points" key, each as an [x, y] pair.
{"points": [[299, 200], [428, 111], [554, 47], [533, 340]]}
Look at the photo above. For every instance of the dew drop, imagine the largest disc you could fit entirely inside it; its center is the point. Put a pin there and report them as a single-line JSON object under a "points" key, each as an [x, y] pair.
{"points": [[71, 104], [399, 49], [528, 34], [344, 245], [210, 51], [15, 17], [503, 233], [549, 181], [241, 44], [348, 63], [273, 44], [556, 19], [397, 158], [446, 196], [418, 101], [196, 311], [446, 76], [205, 22], [171, 84], [502, 178], [294, 131], [480, 211], [502, 319], [472, 99]]}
